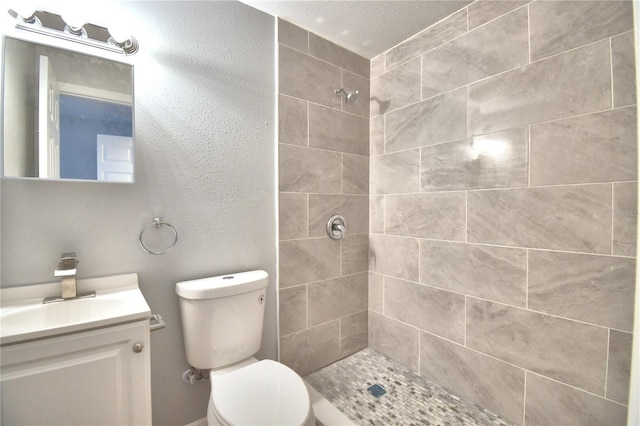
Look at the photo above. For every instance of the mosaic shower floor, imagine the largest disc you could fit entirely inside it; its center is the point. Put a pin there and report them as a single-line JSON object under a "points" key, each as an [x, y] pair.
{"points": [[410, 399]]}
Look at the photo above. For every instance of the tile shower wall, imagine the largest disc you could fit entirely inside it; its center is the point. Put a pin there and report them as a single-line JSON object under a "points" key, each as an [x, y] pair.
{"points": [[503, 207], [323, 170]]}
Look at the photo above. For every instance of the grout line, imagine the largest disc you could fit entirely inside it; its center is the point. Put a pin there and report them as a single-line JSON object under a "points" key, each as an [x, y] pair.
{"points": [[339, 109], [466, 216], [308, 124], [384, 134], [465, 321], [306, 326], [529, 31], [526, 282], [613, 186], [308, 224], [323, 60], [529, 156], [524, 401], [324, 150], [606, 365], [611, 70]]}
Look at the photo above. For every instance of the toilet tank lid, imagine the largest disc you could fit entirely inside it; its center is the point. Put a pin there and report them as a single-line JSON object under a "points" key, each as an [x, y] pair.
{"points": [[223, 285]]}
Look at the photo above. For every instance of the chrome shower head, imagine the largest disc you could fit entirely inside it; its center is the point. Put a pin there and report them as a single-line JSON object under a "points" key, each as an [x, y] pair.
{"points": [[350, 96]]}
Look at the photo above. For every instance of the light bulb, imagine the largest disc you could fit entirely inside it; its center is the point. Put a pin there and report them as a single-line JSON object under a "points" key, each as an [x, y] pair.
{"points": [[26, 11], [74, 22], [119, 34]]}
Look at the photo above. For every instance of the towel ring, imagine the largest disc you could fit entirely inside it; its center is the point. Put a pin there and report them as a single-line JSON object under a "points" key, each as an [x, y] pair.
{"points": [[157, 223]]}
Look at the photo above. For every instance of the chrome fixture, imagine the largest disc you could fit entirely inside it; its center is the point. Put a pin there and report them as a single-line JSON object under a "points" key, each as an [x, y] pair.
{"points": [[350, 96], [157, 223], [66, 270], [71, 28], [336, 227]]}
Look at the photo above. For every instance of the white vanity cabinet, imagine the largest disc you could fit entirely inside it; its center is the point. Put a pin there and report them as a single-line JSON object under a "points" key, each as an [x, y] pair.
{"points": [[97, 377]]}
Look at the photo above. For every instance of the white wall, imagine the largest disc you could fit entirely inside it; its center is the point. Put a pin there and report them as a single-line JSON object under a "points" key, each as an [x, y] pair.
{"points": [[205, 111]]}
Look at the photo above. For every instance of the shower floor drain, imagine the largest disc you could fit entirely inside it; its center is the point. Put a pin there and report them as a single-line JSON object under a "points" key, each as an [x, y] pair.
{"points": [[376, 390]]}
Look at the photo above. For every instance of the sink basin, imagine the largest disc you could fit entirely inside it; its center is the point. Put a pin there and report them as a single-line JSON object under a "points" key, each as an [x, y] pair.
{"points": [[24, 317]]}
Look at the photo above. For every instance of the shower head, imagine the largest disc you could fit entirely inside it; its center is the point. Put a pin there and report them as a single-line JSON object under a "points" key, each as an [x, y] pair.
{"points": [[350, 96]]}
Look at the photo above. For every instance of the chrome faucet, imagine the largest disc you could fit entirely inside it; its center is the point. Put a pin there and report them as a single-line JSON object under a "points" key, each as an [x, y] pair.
{"points": [[66, 269]]}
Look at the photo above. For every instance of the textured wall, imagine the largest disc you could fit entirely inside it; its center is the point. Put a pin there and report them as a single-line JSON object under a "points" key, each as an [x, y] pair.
{"points": [[323, 170], [205, 162], [503, 207]]}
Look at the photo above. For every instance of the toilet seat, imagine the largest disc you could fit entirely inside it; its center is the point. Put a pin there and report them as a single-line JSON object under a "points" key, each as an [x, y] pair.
{"points": [[263, 393]]}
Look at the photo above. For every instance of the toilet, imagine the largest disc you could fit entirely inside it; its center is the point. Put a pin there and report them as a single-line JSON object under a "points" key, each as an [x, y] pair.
{"points": [[222, 320]]}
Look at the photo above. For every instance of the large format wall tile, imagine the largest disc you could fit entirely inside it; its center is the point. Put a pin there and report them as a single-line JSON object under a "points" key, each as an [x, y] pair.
{"points": [[498, 160], [337, 298], [309, 170], [304, 261], [491, 49], [376, 214], [597, 147], [619, 369], [355, 174], [347, 132], [395, 256], [571, 218], [481, 12], [443, 31], [550, 403], [625, 216], [429, 122], [595, 289], [558, 26], [376, 282], [292, 209], [354, 333], [395, 173], [292, 121], [396, 88], [378, 65], [494, 273], [435, 215], [312, 348], [293, 36], [624, 70], [376, 136], [331, 52], [396, 340], [355, 254], [293, 309], [308, 78], [436, 311], [354, 208], [492, 384], [569, 351], [576, 82]]}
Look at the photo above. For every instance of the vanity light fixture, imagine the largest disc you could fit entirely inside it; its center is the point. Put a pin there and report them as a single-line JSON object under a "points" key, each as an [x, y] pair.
{"points": [[73, 28]]}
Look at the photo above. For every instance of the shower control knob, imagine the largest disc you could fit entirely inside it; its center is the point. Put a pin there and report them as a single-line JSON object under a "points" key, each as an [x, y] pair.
{"points": [[138, 347]]}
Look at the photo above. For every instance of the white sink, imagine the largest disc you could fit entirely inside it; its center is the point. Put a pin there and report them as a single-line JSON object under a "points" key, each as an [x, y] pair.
{"points": [[23, 316]]}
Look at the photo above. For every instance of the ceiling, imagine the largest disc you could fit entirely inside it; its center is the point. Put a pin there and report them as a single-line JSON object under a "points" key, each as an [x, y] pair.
{"points": [[366, 27]]}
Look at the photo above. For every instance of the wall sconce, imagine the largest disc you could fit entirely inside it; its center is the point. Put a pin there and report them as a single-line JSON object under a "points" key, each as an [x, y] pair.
{"points": [[73, 28]]}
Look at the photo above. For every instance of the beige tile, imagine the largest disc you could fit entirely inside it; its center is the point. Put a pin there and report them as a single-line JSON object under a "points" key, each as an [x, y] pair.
{"points": [[625, 216], [489, 50], [304, 261], [347, 133], [487, 382], [309, 170], [311, 349], [436, 311], [292, 213], [619, 371], [577, 82], [292, 121], [337, 55], [552, 403], [355, 254], [376, 214], [308, 78], [396, 88], [337, 298], [435, 215], [434, 36], [595, 289], [355, 174], [354, 208], [568, 351], [572, 218], [558, 26], [624, 70], [293, 309], [597, 147], [394, 256], [352, 81], [376, 136], [375, 292], [378, 65], [395, 173], [396, 340], [354, 333], [493, 273], [293, 36], [435, 120], [498, 160], [483, 11]]}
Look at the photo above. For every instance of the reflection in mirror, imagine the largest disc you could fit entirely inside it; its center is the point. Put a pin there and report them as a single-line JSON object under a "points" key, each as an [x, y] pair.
{"points": [[67, 115]]}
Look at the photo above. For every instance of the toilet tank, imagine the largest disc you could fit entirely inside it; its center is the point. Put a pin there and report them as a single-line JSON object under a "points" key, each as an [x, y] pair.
{"points": [[222, 317]]}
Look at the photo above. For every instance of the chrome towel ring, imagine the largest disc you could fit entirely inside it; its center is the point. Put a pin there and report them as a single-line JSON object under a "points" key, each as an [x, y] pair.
{"points": [[155, 224]]}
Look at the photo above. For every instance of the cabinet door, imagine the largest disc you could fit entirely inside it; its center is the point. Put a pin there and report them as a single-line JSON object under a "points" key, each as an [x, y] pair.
{"points": [[88, 378]]}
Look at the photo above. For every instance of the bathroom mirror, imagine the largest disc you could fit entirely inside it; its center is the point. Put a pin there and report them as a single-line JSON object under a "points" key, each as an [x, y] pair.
{"points": [[67, 115]]}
